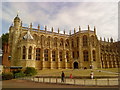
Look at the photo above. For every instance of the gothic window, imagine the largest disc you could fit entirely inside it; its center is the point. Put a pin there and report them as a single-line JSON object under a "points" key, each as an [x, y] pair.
{"points": [[77, 54], [73, 54], [38, 54], [48, 41], [77, 41], [24, 52], [43, 40], [85, 55], [67, 43], [67, 56], [53, 55], [55, 42], [94, 55], [72, 43], [30, 53], [46, 54], [93, 40], [61, 42], [60, 55], [85, 40]]}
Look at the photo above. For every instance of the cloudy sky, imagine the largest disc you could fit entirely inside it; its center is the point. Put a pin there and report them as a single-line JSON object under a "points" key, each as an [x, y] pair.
{"points": [[65, 15]]}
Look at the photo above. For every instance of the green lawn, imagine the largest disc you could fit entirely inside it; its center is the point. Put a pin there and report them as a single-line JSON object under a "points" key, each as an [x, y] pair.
{"points": [[78, 72]]}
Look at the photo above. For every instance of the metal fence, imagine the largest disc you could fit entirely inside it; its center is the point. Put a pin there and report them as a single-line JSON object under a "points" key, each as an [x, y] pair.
{"points": [[93, 82]]}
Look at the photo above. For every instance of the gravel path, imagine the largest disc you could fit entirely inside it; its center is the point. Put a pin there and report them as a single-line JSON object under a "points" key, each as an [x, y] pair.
{"points": [[29, 84]]}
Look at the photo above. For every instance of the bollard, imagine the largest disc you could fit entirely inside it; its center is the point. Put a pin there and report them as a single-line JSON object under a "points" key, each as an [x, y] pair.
{"points": [[108, 81], [74, 81], [84, 81], [33, 79], [38, 79], [49, 80], [95, 81], [43, 79], [56, 80]]}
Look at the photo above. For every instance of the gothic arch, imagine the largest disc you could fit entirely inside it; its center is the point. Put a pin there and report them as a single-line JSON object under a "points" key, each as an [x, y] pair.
{"points": [[85, 40]]}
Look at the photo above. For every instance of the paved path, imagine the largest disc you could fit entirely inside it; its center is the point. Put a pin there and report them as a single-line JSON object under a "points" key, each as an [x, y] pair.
{"points": [[29, 84]]}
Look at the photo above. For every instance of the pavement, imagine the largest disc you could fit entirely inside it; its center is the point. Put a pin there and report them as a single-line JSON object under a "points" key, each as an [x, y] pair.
{"points": [[30, 84]]}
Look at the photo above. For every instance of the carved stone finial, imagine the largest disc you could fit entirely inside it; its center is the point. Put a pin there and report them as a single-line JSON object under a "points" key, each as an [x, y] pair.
{"points": [[74, 30]]}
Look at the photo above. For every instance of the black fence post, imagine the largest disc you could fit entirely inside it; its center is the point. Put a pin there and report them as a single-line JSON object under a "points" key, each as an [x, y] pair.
{"points": [[49, 80], [56, 80]]}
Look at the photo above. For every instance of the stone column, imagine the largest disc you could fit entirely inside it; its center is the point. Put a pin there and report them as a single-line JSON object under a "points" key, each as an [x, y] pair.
{"points": [[65, 60], [42, 57], [71, 60], [50, 59], [57, 58], [21, 55], [80, 53]]}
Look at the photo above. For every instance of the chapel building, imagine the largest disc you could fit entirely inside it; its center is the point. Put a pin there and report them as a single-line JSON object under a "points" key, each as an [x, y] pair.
{"points": [[43, 49]]}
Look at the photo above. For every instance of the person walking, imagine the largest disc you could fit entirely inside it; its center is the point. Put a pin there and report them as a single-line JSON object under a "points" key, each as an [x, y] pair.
{"points": [[62, 76], [91, 75]]}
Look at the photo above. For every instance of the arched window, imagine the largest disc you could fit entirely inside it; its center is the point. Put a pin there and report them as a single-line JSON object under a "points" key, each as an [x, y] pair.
{"points": [[77, 41], [85, 40], [72, 43], [60, 55], [38, 54], [67, 43], [53, 55], [30, 53], [85, 55], [24, 52], [77, 54], [42, 40], [48, 41], [94, 55], [61, 42], [67, 56], [46, 54], [55, 42], [73, 54]]}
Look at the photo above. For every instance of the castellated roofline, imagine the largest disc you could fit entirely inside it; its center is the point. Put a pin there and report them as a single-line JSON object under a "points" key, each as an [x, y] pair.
{"points": [[75, 31]]}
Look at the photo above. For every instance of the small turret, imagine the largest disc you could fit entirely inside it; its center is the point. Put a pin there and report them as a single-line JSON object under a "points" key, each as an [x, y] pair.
{"points": [[79, 28], [38, 27], [74, 31], [45, 28], [108, 39], [52, 29], [111, 39], [58, 30], [94, 29], [100, 39], [17, 22], [88, 28], [70, 32], [30, 25], [104, 39], [64, 31]]}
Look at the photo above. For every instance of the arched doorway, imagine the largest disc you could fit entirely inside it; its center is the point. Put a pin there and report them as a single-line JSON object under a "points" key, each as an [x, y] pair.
{"points": [[75, 64]]}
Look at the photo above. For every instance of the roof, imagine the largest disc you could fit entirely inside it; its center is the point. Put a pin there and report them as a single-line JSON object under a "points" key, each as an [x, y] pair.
{"points": [[28, 36], [17, 18]]}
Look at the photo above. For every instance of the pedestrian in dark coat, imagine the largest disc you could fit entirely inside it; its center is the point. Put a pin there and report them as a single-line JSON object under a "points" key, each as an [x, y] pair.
{"points": [[62, 76]]}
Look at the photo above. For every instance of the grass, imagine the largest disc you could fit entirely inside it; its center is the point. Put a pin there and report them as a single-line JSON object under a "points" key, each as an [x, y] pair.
{"points": [[78, 72]]}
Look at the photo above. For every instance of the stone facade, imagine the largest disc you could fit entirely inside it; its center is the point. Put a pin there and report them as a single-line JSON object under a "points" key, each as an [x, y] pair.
{"points": [[44, 49]]}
